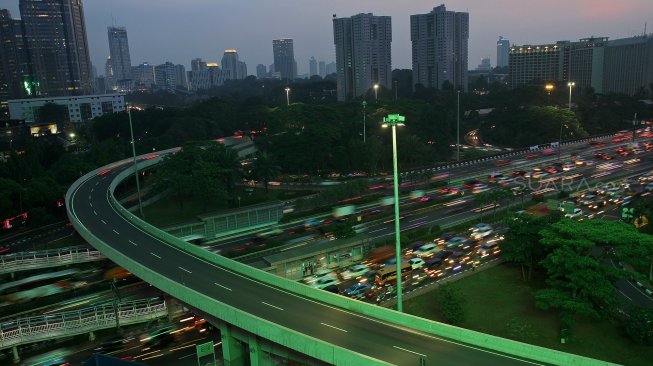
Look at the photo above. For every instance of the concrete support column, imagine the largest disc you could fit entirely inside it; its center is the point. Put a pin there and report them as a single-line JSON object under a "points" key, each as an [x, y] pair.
{"points": [[232, 349], [91, 336], [256, 355], [14, 352]]}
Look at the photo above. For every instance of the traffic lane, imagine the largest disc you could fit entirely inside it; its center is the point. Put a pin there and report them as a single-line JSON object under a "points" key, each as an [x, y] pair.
{"points": [[633, 293], [162, 261]]}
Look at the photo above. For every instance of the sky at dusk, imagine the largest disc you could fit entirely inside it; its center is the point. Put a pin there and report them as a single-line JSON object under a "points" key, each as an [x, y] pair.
{"points": [[180, 30]]}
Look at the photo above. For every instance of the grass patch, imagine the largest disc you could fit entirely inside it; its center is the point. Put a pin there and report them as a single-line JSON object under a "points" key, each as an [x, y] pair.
{"points": [[501, 304]]}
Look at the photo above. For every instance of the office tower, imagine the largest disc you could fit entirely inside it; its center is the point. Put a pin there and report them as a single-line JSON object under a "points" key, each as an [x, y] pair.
{"points": [[165, 76], [143, 75], [100, 85], [439, 43], [363, 54], [180, 77], [503, 50], [312, 67], [232, 66], [261, 71], [108, 74], [628, 65], [485, 64], [15, 76], [330, 68], [580, 62], [322, 69], [284, 58], [55, 35], [120, 60], [197, 65], [208, 77]]}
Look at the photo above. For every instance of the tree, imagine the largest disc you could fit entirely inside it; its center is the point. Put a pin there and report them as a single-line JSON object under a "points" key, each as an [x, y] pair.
{"points": [[451, 304], [639, 325], [265, 168], [521, 244]]}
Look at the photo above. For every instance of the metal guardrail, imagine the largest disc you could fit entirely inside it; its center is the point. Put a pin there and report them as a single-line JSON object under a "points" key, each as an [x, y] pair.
{"points": [[33, 329], [24, 261]]}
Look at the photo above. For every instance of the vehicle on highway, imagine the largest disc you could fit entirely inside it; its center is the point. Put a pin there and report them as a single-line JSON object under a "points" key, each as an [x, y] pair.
{"points": [[270, 233], [416, 262], [427, 250], [597, 204], [578, 213], [325, 281], [355, 271], [319, 274], [504, 181], [111, 344], [433, 263], [568, 166], [471, 183], [596, 144], [388, 274], [480, 187], [503, 162], [412, 247], [648, 187], [358, 289], [539, 175], [491, 247], [602, 156], [480, 226], [531, 155], [548, 152], [482, 233], [332, 288], [456, 242]]}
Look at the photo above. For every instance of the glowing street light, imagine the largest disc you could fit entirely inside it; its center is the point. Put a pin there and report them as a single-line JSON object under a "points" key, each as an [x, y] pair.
{"points": [[549, 88], [376, 92], [570, 84], [287, 96], [394, 120], [133, 142]]}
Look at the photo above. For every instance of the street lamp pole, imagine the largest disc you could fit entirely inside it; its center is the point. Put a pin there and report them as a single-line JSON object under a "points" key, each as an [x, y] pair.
{"points": [[458, 128], [138, 184], [376, 92], [287, 96], [394, 120], [364, 132], [570, 84]]}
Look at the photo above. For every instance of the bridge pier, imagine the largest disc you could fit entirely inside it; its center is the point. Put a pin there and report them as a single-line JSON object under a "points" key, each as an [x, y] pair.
{"points": [[257, 357], [16, 356], [232, 348], [91, 336]]}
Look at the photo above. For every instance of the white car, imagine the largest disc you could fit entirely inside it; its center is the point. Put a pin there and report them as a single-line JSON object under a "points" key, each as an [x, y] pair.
{"points": [[427, 250], [325, 281], [318, 275], [576, 214], [480, 226], [416, 262], [482, 233], [456, 242], [355, 271]]}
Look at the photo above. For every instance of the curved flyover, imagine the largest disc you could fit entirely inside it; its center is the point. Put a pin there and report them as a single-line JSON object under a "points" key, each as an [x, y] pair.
{"points": [[328, 327]]}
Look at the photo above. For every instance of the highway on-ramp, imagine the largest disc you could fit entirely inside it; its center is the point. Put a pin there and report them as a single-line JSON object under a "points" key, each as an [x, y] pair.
{"points": [[90, 205]]}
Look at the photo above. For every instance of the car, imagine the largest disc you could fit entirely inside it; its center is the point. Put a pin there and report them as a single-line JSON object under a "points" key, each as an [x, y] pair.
{"points": [[490, 247], [110, 345], [358, 289], [325, 281], [503, 162], [576, 214], [332, 288], [448, 235], [416, 262], [494, 177], [538, 175], [480, 226], [427, 250], [456, 242], [480, 188], [531, 155], [548, 152], [412, 247], [425, 198], [551, 170], [597, 204], [568, 166], [518, 172], [319, 274], [586, 198], [648, 187], [355, 271], [482, 233], [504, 181], [433, 263]]}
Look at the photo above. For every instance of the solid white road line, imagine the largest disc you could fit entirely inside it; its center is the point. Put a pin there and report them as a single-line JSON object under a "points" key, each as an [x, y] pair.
{"points": [[185, 270], [115, 231], [376, 231], [224, 287], [272, 306], [413, 352], [155, 255], [331, 326], [133, 243]]}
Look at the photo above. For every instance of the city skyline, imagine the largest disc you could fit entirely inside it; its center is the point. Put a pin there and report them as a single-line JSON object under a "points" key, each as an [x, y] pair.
{"points": [[310, 26]]}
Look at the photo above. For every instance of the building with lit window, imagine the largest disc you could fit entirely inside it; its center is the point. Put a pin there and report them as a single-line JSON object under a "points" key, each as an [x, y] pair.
{"points": [[363, 54], [503, 50], [232, 66], [80, 108], [119, 58], [284, 58]]}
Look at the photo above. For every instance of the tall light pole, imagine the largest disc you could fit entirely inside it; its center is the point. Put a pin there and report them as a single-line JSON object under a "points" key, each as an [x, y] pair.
{"points": [[458, 128], [364, 132], [138, 184], [394, 120], [376, 92], [287, 96], [570, 84]]}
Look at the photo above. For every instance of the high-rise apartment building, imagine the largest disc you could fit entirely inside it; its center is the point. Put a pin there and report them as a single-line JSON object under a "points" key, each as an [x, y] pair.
{"points": [[55, 34], [120, 59], [197, 65], [284, 58], [503, 50], [15, 76], [628, 65], [439, 47], [165, 76], [180, 77], [312, 67], [143, 76], [232, 66], [261, 71], [108, 75], [363, 53]]}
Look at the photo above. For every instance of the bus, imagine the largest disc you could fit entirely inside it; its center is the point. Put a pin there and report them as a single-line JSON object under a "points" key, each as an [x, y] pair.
{"points": [[388, 274]]}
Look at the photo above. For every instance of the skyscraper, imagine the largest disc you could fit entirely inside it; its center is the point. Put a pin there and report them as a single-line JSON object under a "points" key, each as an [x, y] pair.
{"points": [[322, 68], [55, 34], [14, 71], [180, 77], [165, 76], [312, 67], [197, 65], [232, 66], [261, 71], [284, 58], [120, 60], [503, 50], [108, 75], [439, 41], [363, 53], [143, 75], [627, 65]]}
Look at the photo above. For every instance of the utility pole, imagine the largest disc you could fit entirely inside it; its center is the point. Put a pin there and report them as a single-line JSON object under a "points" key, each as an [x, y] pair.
{"points": [[138, 184]]}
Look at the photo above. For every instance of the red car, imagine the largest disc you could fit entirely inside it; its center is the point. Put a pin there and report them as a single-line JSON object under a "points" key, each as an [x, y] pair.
{"points": [[530, 155], [596, 144], [503, 162], [548, 152]]}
